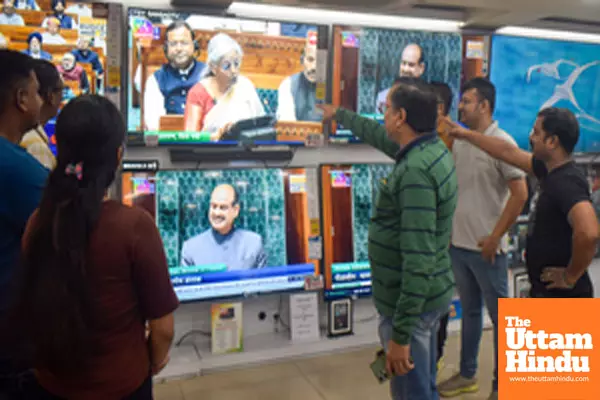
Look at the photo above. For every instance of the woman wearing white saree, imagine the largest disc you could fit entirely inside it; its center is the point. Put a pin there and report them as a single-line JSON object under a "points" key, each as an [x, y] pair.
{"points": [[222, 96]]}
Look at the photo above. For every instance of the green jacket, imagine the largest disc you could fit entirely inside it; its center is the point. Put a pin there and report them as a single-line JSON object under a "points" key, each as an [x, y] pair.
{"points": [[409, 234]]}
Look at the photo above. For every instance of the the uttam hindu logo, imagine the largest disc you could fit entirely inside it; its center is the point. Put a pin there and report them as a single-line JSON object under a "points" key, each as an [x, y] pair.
{"points": [[546, 349], [526, 347]]}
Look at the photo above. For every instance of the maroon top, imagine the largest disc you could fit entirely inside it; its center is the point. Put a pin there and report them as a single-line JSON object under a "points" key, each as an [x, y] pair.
{"points": [[129, 284]]}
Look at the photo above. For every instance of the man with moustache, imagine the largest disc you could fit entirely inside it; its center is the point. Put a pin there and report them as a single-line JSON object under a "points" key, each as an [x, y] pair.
{"points": [[167, 89], [412, 65], [491, 195], [297, 93], [22, 180], [224, 243], [9, 15], [562, 235]]}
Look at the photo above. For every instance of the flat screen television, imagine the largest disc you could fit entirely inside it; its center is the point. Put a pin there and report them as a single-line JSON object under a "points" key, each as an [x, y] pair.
{"points": [[348, 197], [71, 35], [368, 60], [197, 79], [229, 233], [532, 74]]}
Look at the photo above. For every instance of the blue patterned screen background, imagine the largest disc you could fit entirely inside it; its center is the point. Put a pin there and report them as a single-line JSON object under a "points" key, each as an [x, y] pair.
{"points": [[531, 74], [365, 186], [380, 53], [183, 200]]}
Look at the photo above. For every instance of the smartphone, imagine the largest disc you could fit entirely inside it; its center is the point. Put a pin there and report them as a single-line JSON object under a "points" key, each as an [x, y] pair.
{"points": [[378, 367]]}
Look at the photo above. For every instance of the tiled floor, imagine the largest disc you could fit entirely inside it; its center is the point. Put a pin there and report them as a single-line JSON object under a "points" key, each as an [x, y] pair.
{"points": [[336, 377]]}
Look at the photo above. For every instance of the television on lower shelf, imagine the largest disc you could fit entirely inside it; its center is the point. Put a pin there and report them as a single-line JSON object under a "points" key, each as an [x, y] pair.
{"points": [[348, 198], [231, 233]]}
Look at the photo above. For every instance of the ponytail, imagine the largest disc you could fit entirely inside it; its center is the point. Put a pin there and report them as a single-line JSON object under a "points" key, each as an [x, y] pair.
{"points": [[55, 310]]}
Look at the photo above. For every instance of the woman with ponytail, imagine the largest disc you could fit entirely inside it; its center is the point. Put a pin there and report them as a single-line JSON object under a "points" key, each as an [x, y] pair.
{"points": [[94, 272]]}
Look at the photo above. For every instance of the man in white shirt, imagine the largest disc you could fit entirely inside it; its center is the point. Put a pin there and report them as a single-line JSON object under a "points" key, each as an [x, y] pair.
{"points": [[52, 35], [491, 195], [9, 15], [166, 90], [80, 9], [296, 96]]}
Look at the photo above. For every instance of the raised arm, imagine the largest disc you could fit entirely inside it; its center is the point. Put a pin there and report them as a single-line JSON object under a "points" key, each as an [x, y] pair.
{"points": [[497, 148], [366, 129]]}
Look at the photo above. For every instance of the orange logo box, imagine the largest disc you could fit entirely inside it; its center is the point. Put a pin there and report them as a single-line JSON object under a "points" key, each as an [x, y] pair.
{"points": [[549, 349]]}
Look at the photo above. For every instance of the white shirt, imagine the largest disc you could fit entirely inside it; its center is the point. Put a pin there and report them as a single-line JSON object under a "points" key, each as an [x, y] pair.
{"points": [[15, 20], [154, 104], [482, 191], [48, 38], [79, 9], [286, 105]]}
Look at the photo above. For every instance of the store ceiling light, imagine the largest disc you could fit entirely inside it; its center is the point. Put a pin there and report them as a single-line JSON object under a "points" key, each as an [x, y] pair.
{"points": [[326, 17], [549, 34]]}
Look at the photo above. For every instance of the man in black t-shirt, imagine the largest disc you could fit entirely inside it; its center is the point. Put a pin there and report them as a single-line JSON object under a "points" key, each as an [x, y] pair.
{"points": [[563, 229]]}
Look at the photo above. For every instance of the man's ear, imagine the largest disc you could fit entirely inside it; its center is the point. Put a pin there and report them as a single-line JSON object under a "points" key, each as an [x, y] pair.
{"points": [[401, 117]]}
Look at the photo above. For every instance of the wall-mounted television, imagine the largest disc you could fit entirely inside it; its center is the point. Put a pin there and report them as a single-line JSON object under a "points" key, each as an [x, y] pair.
{"points": [[348, 197], [367, 61], [229, 233], [532, 74], [197, 79], [70, 35]]}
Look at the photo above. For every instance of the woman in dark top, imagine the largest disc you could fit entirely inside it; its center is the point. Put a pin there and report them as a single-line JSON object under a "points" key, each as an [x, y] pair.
{"points": [[94, 272]]}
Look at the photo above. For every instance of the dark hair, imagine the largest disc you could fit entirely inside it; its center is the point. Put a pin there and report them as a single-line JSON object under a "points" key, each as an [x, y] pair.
{"points": [[48, 77], [485, 90], [176, 25], [15, 72], [563, 124], [444, 95], [419, 102], [53, 310], [55, 3]]}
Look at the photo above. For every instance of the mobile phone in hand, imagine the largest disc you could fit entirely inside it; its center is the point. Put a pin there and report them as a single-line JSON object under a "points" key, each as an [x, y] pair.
{"points": [[378, 367]]}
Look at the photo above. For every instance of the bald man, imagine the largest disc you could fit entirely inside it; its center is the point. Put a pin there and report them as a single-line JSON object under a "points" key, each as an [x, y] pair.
{"points": [[412, 65], [297, 94], [223, 243]]}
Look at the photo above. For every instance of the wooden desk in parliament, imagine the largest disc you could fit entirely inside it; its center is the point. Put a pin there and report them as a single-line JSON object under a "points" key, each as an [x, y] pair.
{"points": [[287, 131]]}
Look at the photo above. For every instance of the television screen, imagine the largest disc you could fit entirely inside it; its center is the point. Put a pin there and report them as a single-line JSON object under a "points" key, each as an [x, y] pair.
{"points": [[229, 233], [533, 74], [348, 198], [70, 35], [367, 61], [198, 79]]}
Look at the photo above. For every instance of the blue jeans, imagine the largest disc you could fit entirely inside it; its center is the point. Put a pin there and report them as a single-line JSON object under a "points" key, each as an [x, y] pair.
{"points": [[478, 282], [420, 382]]}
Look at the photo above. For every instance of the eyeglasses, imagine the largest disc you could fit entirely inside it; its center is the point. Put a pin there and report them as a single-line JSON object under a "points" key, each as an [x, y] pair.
{"points": [[226, 65]]}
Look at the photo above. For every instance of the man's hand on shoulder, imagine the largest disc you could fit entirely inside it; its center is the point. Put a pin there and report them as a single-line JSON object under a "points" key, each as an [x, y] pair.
{"points": [[456, 130], [328, 111]]}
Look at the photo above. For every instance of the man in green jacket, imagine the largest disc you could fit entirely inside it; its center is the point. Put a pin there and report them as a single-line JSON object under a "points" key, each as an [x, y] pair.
{"points": [[409, 234]]}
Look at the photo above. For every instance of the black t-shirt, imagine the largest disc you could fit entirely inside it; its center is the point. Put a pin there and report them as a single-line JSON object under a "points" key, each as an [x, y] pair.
{"points": [[550, 236]]}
